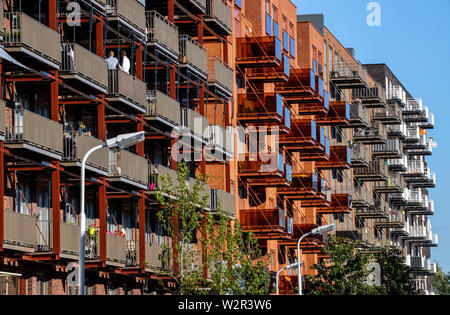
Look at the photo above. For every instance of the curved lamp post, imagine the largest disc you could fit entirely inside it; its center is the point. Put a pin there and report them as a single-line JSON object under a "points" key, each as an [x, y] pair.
{"points": [[321, 230], [120, 142], [289, 267]]}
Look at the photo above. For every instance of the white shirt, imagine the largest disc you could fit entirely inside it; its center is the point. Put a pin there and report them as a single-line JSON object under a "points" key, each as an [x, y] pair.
{"points": [[126, 64]]}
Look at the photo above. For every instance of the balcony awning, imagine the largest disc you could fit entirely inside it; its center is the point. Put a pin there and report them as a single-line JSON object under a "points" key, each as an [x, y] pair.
{"points": [[5, 56]]}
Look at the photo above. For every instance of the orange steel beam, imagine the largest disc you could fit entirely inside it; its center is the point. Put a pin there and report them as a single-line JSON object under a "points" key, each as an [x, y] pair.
{"points": [[2, 195]]}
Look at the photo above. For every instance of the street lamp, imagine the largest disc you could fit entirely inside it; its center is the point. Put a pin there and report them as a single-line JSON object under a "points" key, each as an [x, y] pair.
{"points": [[120, 142], [322, 230], [289, 267]]}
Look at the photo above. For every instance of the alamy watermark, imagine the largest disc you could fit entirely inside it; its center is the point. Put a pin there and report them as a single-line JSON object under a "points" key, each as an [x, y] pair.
{"points": [[374, 17]]}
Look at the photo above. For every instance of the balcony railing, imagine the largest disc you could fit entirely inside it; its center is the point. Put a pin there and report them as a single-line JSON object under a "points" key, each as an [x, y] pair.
{"points": [[360, 155], [393, 148], [398, 164], [377, 133], [220, 140], [225, 200], [35, 132], [20, 231], [338, 115], [128, 89], [34, 37], [271, 74], [348, 75], [258, 52], [116, 249], [392, 114], [195, 123], [76, 145], [2, 119], [398, 130], [193, 54], [78, 61], [219, 12], [359, 115], [129, 167], [220, 74], [376, 171], [129, 11], [163, 33], [263, 220], [372, 97], [163, 108]]}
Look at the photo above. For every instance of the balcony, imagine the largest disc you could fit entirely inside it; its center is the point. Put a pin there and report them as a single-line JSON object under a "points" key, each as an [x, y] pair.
{"points": [[270, 74], [338, 115], [219, 16], [429, 124], [20, 231], [392, 149], [307, 138], [126, 90], [265, 223], [129, 13], [258, 52], [273, 114], [83, 69], [221, 144], [396, 95], [304, 186], [360, 155], [362, 198], [415, 112], [371, 97], [415, 171], [303, 87], [31, 42], [341, 202], [193, 56], [2, 120], [394, 184], [223, 201], [395, 220], [157, 259], [377, 171], [340, 158], [375, 134], [70, 240], [76, 145], [194, 125], [398, 131], [359, 116], [220, 76], [116, 250], [128, 168], [265, 170], [163, 110], [398, 165], [162, 34], [320, 200], [428, 181], [30, 132], [391, 115], [350, 77]]}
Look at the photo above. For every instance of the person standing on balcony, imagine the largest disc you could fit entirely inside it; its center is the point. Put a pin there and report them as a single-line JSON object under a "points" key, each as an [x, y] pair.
{"points": [[112, 62], [125, 62]]}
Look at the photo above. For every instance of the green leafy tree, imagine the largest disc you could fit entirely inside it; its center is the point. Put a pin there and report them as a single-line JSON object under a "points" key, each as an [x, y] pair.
{"points": [[181, 215], [235, 263], [395, 275], [343, 273], [441, 282]]}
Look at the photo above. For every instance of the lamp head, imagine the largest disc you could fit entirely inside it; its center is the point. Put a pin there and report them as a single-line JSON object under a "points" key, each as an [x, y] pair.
{"points": [[126, 140], [323, 229]]}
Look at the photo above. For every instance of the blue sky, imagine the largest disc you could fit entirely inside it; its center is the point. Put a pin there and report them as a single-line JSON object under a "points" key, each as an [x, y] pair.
{"points": [[414, 41]]}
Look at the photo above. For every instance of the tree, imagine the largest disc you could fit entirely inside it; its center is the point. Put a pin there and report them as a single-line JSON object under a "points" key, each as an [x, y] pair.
{"points": [[343, 273], [441, 282], [180, 216], [233, 258], [395, 275]]}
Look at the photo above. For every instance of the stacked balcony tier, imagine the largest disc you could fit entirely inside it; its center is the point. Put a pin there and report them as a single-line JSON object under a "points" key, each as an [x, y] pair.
{"points": [[377, 171], [265, 170], [126, 91], [268, 110], [83, 69], [340, 158], [31, 42], [219, 16], [258, 52], [348, 76], [129, 14], [162, 34], [303, 87], [220, 76], [371, 97], [265, 223], [163, 110], [338, 115], [375, 134]]}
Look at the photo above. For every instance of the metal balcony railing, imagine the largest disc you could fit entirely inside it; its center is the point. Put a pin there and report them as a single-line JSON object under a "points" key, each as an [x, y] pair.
{"points": [[193, 54], [225, 200], [22, 30], [78, 60], [33, 129], [164, 107], [129, 166], [162, 32], [130, 11], [128, 87], [220, 11], [220, 73]]}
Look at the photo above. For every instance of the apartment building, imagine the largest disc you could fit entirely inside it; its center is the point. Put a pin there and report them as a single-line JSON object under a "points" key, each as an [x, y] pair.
{"points": [[60, 97], [294, 132]]}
